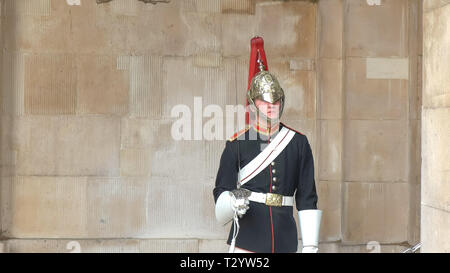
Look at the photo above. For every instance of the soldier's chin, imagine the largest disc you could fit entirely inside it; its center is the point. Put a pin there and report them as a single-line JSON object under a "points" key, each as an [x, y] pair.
{"points": [[273, 116]]}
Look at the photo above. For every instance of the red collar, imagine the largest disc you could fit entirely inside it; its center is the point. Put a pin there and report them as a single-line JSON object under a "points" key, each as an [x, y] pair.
{"points": [[264, 130]]}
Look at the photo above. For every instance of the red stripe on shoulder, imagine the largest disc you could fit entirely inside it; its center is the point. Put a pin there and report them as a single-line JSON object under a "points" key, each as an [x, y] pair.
{"points": [[236, 135], [292, 129]]}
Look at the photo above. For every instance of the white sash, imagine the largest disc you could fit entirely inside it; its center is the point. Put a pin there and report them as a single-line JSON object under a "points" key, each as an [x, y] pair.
{"points": [[261, 161]]}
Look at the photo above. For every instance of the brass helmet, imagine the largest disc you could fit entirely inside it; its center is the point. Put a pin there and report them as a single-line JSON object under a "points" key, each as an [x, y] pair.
{"points": [[265, 86]]}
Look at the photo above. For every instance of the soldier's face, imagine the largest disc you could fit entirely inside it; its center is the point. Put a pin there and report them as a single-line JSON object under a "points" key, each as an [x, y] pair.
{"points": [[271, 110]]}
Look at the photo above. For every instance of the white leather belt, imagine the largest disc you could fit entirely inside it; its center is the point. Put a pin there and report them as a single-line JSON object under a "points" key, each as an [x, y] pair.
{"points": [[271, 199]]}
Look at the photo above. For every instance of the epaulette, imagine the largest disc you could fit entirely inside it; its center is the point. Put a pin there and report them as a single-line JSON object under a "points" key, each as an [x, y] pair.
{"points": [[292, 129], [236, 135]]}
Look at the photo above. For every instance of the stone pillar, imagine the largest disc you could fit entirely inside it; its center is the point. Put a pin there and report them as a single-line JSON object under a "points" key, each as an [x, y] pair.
{"points": [[368, 115], [330, 121], [435, 208], [379, 153]]}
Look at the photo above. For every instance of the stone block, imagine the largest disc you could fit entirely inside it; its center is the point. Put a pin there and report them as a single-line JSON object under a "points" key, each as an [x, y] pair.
{"points": [[149, 148], [420, 28], [183, 81], [155, 207], [376, 31], [187, 155], [182, 209], [375, 212], [237, 31], [68, 145], [415, 88], [414, 214], [241, 73], [213, 152], [125, 8], [434, 233], [431, 5], [387, 68], [90, 32], [135, 162], [208, 60], [145, 84], [213, 246], [118, 207], [288, 28], [44, 207], [436, 27], [8, 146], [436, 158], [124, 27], [41, 25], [375, 151], [330, 88], [331, 21], [202, 6], [330, 150], [102, 88], [102, 207], [415, 153], [50, 85], [101, 246], [300, 90], [139, 133], [237, 6], [330, 199], [302, 64], [327, 248], [13, 81], [417, 113], [168, 246], [203, 31], [29, 8], [373, 98], [372, 247], [415, 22]]}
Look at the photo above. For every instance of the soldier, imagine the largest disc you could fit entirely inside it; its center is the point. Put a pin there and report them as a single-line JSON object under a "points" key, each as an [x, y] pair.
{"points": [[262, 168]]}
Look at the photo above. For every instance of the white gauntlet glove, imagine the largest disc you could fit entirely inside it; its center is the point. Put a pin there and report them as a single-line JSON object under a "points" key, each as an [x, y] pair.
{"points": [[230, 202], [310, 227]]}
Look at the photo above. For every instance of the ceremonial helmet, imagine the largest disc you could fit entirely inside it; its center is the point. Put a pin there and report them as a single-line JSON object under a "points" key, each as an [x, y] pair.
{"points": [[264, 85]]}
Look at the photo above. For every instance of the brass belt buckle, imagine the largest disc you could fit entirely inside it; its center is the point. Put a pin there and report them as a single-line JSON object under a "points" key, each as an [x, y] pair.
{"points": [[273, 199]]}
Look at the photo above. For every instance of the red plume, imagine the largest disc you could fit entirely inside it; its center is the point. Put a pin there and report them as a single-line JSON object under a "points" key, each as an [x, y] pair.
{"points": [[257, 50]]}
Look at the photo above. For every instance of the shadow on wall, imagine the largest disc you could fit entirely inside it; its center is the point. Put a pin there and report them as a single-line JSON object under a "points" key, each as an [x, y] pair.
{"points": [[11, 93]]}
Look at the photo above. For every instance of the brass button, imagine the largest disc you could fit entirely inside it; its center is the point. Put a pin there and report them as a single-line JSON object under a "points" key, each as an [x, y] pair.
{"points": [[273, 171], [273, 163], [274, 179], [274, 188]]}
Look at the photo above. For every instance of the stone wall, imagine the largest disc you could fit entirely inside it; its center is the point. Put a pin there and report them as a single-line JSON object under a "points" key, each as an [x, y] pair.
{"points": [[435, 208], [87, 158]]}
